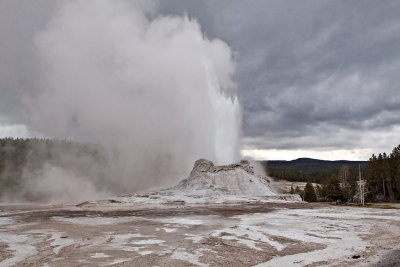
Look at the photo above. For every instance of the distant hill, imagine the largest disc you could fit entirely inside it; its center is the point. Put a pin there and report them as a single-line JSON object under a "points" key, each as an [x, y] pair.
{"points": [[308, 162], [307, 169]]}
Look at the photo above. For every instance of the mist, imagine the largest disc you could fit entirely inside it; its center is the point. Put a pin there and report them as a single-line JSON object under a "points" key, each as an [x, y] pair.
{"points": [[153, 91]]}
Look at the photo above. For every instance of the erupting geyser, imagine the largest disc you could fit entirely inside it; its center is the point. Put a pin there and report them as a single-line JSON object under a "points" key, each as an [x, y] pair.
{"points": [[156, 93]]}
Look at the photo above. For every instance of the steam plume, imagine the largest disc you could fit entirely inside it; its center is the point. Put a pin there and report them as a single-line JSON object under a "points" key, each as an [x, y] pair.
{"points": [[156, 93]]}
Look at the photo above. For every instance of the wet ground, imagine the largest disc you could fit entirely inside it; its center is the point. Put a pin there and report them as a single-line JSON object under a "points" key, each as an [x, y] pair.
{"points": [[250, 234]]}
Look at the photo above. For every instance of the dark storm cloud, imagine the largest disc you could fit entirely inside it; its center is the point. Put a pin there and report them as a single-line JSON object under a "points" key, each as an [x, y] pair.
{"points": [[309, 73]]}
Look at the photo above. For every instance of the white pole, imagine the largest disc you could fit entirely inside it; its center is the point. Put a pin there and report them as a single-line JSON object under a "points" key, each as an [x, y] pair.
{"points": [[361, 186], [363, 190], [359, 181]]}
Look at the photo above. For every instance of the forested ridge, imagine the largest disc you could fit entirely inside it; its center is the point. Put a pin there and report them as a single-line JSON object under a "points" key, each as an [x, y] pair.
{"points": [[307, 169], [339, 179]]}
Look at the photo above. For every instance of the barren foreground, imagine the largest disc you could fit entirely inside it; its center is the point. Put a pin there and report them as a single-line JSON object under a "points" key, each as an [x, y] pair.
{"points": [[267, 234]]}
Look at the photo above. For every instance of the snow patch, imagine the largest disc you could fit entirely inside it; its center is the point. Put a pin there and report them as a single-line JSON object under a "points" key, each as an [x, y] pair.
{"points": [[248, 235], [341, 237], [118, 261], [145, 252], [181, 254], [6, 221], [169, 230], [185, 221], [94, 220], [59, 242], [19, 247], [148, 242], [194, 238], [99, 255]]}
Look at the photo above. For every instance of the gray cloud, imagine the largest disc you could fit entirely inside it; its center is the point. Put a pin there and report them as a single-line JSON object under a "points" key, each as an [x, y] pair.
{"points": [[320, 74], [315, 73]]}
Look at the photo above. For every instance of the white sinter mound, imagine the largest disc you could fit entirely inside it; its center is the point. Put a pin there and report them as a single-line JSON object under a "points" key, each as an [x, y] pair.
{"points": [[235, 179]]}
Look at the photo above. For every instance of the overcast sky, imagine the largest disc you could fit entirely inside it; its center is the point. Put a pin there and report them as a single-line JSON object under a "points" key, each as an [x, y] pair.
{"points": [[315, 78]]}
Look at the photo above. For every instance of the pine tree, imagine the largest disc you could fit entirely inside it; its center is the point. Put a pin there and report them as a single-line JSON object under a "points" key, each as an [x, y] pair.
{"points": [[309, 193], [334, 192]]}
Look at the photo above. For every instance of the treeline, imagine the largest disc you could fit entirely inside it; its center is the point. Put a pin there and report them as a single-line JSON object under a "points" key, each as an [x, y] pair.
{"points": [[334, 188], [336, 180], [311, 170], [300, 175], [21, 161], [383, 176], [339, 180]]}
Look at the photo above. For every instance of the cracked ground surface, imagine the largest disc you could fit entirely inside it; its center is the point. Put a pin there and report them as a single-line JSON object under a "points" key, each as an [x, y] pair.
{"points": [[266, 234]]}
